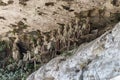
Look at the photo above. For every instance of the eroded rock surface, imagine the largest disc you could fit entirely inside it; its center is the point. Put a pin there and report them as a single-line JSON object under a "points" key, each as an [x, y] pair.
{"points": [[38, 30], [46, 14], [97, 60]]}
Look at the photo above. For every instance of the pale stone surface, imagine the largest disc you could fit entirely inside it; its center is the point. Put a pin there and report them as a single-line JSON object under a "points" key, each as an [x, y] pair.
{"points": [[97, 60], [116, 78], [39, 16]]}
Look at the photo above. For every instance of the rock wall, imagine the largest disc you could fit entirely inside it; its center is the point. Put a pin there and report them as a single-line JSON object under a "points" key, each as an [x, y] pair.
{"points": [[97, 60], [38, 30], [46, 14]]}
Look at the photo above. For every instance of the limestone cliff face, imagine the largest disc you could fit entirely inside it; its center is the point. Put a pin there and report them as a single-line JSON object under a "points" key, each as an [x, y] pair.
{"points": [[98, 60], [77, 21], [46, 28], [45, 14]]}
